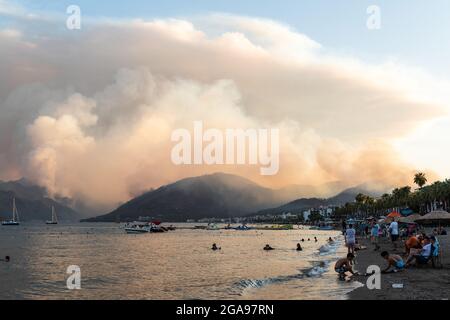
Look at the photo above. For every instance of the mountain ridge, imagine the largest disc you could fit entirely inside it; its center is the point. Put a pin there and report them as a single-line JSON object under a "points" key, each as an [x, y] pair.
{"points": [[32, 202], [217, 195]]}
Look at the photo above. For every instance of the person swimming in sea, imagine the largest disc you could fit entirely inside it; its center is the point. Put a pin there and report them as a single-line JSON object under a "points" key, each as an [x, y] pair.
{"points": [[214, 247], [268, 247], [299, 247], [315, 239], [303, 240], [6, 259]]}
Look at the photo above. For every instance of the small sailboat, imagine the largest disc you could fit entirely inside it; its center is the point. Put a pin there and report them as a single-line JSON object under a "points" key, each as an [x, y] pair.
{"points": [[54, 218], [15, 218]]}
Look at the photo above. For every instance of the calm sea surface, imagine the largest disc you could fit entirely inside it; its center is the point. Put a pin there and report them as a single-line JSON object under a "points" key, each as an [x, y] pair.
{"points": [[174, 265]]}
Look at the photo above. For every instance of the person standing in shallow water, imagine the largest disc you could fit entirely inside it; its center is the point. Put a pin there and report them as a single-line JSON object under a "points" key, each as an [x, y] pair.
{"points": [[344, 227], [299, 247], [350, 239]]}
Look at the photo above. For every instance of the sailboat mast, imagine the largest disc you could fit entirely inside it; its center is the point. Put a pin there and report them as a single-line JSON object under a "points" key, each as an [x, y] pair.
{"points": [[15, 216], [54, 219]]}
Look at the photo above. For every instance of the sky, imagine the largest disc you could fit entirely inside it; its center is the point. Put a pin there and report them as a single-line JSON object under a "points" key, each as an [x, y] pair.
{"points": [[339, 25], [353, 104]]}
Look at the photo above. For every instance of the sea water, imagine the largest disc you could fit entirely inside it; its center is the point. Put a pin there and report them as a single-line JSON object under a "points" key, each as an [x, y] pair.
{"points": [[173, 265]]}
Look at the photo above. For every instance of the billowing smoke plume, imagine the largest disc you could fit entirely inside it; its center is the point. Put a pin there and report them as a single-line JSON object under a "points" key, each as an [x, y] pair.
{"points": [[90, 115]]}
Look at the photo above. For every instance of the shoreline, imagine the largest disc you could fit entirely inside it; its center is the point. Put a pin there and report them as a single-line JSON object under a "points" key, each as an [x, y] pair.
{"points": [[425, 283]]}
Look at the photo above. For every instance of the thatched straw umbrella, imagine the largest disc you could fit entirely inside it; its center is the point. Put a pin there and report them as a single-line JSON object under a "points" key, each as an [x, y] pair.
{"points": [[435, 217], [410, 219]]}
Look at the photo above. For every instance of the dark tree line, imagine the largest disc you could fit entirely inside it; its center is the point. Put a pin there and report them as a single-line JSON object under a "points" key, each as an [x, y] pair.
{"points": [[424, 199]]}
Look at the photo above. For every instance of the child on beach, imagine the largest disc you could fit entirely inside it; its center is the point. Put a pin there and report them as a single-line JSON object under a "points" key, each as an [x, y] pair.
{"points": [[345, 265], [394, 261], [350, 239], [393, 231]]}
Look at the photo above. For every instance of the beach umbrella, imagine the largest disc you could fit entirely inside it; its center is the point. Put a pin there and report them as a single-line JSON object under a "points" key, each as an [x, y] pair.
{"points": [[435, 217], [409, 219], [406, 212], [394, 214]]}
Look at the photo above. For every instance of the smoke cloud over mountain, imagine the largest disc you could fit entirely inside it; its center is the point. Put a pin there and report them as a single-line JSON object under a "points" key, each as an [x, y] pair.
{"points": [[89, 114]]}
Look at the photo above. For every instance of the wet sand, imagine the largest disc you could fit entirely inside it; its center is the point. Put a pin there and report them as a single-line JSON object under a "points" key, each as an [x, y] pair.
{"points": [[425, 283]]}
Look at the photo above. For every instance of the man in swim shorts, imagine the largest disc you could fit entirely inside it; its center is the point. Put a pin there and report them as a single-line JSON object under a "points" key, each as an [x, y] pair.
{"points": [[345, 265]]}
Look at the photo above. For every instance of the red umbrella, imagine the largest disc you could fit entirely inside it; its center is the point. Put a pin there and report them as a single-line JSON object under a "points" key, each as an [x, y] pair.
{"points": [[394, 214], [156, 222]]}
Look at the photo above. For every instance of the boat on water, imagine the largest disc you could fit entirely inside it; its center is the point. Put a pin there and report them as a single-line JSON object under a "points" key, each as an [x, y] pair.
{"points": [[142, 227], [212, 226], [54, 217], [15, 217], [281, 227], [243, 228]]}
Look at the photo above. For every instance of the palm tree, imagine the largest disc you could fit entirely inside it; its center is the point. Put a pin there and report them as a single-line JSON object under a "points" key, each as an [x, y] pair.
{"points": [[420, 179]]}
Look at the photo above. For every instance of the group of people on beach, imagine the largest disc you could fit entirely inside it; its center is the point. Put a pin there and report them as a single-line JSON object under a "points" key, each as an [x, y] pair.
{"points": [[419, 248]]}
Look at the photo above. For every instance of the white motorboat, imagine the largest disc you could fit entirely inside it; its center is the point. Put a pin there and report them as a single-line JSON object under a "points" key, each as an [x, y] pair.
{"points": [[137, 227]]}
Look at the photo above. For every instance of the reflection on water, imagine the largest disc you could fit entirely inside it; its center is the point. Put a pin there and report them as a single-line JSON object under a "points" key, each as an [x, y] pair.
{"points": [[174, 265]]}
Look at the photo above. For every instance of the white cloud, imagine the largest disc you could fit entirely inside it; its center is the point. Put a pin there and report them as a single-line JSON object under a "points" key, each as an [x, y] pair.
{"points": [[109, 96]]}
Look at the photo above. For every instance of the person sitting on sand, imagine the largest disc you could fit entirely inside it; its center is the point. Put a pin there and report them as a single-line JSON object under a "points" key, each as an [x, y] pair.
{"points": [[6, 259], [350, 239], [214, 247], [412, 243], [358, 246], [423, 255], [299, 247], [394, 261], [344, 265], [268, 247]]}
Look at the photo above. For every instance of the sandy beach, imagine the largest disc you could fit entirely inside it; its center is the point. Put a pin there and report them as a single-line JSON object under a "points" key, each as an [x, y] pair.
{"points": [[424, 283]]}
